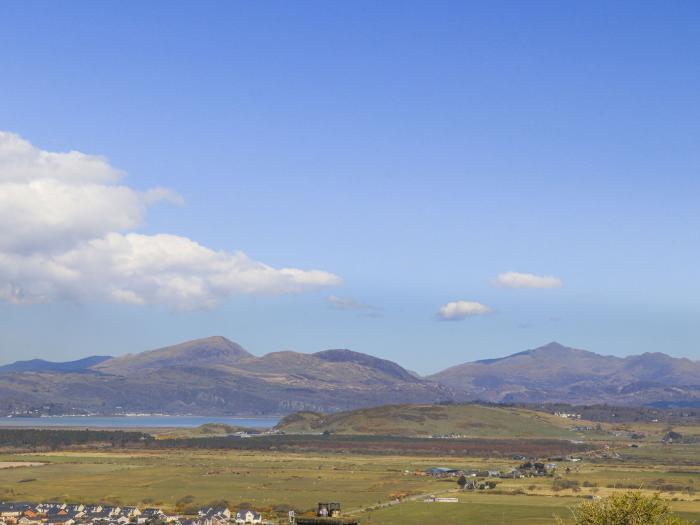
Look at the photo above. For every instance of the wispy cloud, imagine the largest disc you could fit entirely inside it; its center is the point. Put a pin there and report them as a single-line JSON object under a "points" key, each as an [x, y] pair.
{"points": [[66, 232], [528, 280], [459, 310], [364, 309], [346, 304]]}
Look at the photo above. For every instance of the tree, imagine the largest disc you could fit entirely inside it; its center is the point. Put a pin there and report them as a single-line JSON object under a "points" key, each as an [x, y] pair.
{"points": [[629, 508]]}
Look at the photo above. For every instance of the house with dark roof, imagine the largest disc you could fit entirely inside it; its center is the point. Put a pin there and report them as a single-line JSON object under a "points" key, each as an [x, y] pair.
{"points": [[245, 516]]}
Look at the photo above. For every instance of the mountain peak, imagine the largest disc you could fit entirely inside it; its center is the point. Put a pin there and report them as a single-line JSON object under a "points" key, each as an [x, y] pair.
{"points": [[350, 356], [208, 351], [553, 345], [556, 372], [552, 348]]}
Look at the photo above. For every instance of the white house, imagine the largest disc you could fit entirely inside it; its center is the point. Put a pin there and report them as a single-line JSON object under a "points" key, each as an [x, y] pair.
{"points": [[247, 516]]}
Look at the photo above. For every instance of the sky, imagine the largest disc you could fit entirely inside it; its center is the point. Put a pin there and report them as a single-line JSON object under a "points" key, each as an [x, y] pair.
{"points": [[428, 182]]}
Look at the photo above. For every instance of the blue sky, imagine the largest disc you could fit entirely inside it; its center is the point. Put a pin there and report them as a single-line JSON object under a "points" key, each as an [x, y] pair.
{"points": [[414, 150]]}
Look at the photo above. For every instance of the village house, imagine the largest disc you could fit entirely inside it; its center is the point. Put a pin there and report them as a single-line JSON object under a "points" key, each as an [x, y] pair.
{"points": [[247, 516], [150, 514], [213, 516], [131, 512], [443, 472], [511, 473], [24, 520], [10, 513]]}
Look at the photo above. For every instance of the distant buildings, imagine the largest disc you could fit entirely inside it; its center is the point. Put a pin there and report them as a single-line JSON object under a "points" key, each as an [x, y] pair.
{"points": [[79, 514], [566, 415]]}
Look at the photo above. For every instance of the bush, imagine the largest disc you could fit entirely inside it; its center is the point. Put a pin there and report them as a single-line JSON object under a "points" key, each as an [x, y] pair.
{"points": [[563, 484], [629, 508]]}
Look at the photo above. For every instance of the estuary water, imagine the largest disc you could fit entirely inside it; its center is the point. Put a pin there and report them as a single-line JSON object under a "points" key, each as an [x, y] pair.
{"points": [[146, 421]]}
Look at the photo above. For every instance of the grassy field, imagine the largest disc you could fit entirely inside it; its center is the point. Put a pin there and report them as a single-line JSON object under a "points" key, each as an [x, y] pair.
{"points": [[267, 479], [488, 509], [484, 509], [163, 478]]}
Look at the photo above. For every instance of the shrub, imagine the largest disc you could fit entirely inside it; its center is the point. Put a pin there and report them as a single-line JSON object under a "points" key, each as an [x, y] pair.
{"points": [[629, 508], [563, 484]]}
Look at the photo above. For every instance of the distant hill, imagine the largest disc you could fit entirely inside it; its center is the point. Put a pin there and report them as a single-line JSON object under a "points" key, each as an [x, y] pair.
{"points": [[556, 373], [216, 376], [464, 420], [39, 365]]}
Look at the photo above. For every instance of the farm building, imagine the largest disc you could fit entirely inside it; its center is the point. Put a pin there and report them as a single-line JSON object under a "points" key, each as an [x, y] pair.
{"points": [[327, 514]]}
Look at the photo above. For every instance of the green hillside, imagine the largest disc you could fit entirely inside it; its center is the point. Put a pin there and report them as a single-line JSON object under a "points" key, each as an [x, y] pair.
{"points": [[464, 420]]}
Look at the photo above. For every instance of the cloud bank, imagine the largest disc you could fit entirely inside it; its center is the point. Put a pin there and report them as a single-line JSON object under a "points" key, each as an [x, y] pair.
{"points": [[458, 310], [66, 233], [528, 280]]}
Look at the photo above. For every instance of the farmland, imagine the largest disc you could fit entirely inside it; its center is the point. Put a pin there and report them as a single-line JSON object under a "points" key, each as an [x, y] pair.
{"points": [[365, 483], [374, 461]]}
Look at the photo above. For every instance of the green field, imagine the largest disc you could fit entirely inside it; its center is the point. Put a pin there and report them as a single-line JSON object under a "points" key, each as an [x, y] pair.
{"points": [[362, 482], [479, 508], [162, 478], [488, 509]]}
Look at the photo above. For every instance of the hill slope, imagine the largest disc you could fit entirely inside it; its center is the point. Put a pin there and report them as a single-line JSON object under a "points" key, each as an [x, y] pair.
{"points": [[431, 420]]}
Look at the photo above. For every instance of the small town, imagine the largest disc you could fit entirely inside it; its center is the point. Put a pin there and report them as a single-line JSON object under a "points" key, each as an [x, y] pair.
{"points": [[328, 513], [80, 514]]}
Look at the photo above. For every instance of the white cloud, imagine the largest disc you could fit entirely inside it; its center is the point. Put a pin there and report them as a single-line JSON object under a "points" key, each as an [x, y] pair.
{"points": [[21, 162], [458, 310], [54, 200], [65, 234], [528, 280]]}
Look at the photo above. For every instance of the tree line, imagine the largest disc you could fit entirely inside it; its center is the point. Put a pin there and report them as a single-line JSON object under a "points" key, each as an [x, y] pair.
{"points": [[54, 439]]}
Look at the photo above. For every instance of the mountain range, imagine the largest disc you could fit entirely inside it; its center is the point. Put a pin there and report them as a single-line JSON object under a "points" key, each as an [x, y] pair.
{"points": [[217, 376], [555, 373]]}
